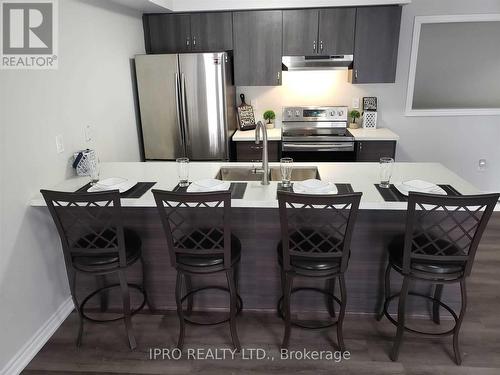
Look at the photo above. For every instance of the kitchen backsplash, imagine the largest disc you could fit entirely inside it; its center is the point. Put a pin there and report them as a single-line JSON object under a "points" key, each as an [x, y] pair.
{"points": [[306, 88]]}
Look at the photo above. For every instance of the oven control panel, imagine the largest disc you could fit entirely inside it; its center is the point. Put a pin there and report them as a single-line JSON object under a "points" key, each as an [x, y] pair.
{"points": [[336, 113]]}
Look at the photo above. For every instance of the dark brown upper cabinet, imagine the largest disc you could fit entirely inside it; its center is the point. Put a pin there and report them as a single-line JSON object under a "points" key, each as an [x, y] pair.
{"points": [[257, 42], [167, 33], [300, 32], [336, 31], [376, 44], [318, 31], [211, 32], [196, 32]]}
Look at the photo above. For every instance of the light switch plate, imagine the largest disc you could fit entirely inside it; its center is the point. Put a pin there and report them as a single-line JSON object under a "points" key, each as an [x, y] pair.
{"points": [[355, 102], [59, 144]]}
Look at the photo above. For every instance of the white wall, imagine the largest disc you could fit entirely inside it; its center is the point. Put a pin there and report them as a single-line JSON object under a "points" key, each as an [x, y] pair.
{"points": [[204, 5], [457, 142], [92, 86]]}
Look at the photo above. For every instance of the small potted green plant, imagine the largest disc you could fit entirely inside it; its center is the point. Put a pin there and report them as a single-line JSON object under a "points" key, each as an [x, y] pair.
{"points": [[269, 116], [354, 114]]}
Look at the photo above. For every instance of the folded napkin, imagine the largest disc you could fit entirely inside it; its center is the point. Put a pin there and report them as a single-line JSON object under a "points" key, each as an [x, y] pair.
{"points": [[314, 186], [113, 183], [207, 185], [419, 186]]}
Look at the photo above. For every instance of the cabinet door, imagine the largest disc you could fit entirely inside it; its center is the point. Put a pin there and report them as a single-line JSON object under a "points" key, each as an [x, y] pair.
{"points": [[257, 43], [336, 31], [374, 150], [249, 151], [300, 32], [376, 44], [211, 32], [167, 33]]}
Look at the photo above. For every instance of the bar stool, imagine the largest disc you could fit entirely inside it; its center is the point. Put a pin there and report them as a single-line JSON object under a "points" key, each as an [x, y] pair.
{"points": [[95, 242], [198, 231], [316, 233], [438, 247]]}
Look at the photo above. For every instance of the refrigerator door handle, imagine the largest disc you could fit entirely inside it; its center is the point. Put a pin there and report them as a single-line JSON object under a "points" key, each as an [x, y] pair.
{"points": [[185, 124], [179, 111]]}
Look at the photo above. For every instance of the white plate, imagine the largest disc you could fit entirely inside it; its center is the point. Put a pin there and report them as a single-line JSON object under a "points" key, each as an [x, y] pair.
{"points": [[419, 186], [312, 187], [204, 187], [113, 183]]}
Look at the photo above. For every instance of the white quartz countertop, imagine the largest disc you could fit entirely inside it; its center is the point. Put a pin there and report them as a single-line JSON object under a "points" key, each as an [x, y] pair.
{"points": [[379, 134], [249, 135], [361, 176]]}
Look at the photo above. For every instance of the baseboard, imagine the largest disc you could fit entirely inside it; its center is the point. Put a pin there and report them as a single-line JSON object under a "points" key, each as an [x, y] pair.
{"points": [[38, 340]]}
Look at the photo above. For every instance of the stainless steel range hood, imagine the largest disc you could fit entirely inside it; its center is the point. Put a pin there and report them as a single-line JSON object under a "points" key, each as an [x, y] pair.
{"points": [[337, 62]]}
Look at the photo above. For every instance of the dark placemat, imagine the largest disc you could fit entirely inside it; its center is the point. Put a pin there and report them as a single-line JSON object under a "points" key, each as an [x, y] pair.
{"points": [[137, 191], [342, 188], [237, 189], [391, 194]]}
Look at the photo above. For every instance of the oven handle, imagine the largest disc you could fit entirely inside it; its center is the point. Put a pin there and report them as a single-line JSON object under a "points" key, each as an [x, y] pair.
{"points": [[344, 146]]}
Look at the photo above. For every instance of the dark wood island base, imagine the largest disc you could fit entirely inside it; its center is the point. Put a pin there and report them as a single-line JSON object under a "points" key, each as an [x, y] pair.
{"points": [[259, 232]]}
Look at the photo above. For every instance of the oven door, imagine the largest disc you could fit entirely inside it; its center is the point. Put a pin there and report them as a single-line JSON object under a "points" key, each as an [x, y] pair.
{"points": [[319, 151]]}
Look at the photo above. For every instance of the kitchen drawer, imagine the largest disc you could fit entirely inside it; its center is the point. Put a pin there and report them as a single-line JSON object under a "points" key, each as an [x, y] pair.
{"points": [[249, 151]]}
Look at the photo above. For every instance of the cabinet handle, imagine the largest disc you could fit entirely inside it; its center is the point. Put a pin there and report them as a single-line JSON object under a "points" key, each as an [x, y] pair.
{"points": [[356, 73], [194, 41], [314, 46], [360, 146], [321, 45], [278, 75], [187, 41]]}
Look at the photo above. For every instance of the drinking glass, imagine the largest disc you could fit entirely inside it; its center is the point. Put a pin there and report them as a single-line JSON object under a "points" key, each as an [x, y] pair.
{"points": [[386, 166], [93, 168], [286, 171], [183, 171]]}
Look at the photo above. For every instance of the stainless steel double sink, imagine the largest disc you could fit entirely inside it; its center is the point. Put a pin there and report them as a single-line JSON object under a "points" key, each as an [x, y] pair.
{"points": [[248, 174]]}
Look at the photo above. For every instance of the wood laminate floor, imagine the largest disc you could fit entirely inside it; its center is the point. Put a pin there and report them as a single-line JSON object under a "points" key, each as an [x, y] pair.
{"points": [[105, 349]]}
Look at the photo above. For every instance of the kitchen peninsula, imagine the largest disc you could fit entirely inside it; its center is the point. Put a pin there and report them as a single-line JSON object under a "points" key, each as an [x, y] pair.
{"points": [[255, 220]]}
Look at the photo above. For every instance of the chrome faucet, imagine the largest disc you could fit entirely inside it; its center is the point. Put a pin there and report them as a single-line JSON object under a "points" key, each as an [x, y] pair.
{"points": [[261, 128]]}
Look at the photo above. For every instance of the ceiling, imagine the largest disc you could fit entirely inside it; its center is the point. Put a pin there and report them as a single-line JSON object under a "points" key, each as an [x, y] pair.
{"points": [[166, 6]]}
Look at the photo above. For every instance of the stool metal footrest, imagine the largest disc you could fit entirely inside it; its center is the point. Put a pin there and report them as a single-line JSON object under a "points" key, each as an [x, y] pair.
{"points": [[408, 329], [239, 305], [302, 325], [112, 286]]}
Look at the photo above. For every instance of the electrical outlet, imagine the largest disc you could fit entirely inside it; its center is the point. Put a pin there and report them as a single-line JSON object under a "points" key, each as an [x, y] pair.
{"points": [[482, 165], [355, 103], [88, 133], [59, 144]]}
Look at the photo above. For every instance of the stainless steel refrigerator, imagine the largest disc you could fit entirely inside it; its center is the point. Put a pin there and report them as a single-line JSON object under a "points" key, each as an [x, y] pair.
{"points": [[187, 105]]}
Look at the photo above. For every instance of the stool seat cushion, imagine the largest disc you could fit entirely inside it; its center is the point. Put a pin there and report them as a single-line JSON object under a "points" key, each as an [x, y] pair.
{"points": [[133, 247], [313, 242], [203, 239], [396, 249]]}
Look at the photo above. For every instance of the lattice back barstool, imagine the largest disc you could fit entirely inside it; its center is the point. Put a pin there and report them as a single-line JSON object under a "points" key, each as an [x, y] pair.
{"points": [[438, 247], [95, 242], [316, 233], [199, 239]]}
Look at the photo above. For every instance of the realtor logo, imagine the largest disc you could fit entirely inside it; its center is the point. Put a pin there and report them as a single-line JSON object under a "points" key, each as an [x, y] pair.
{"points": [[29, 34]]}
